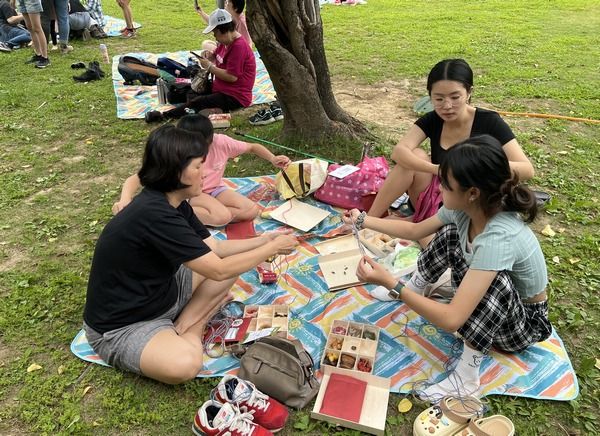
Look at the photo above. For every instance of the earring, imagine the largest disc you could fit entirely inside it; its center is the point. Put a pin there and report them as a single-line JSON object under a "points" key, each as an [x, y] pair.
{"points": [[472, 199]]}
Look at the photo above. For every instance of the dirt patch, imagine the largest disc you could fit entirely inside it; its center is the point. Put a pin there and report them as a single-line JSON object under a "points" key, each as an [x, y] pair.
{"points": [[14, 258]]}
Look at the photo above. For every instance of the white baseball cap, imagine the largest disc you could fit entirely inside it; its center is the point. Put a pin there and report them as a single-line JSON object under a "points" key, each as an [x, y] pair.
{"points": [[217, 17]]}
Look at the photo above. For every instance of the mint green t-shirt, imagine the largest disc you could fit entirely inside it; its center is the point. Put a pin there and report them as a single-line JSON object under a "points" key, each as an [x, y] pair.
{"points": [[506, 243]]}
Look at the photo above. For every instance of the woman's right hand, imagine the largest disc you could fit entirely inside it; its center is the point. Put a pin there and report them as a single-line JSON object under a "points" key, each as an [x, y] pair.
{"points": [[285, 244], [350, 216]]}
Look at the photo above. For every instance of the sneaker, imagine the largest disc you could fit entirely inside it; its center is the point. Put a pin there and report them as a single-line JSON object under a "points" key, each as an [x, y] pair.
{"points": [[65, 48], [95, 66], [262, 117], [153, 116], [5, 47], [88, 76], [42, 62], [268, 412], [216, 419], [33, 59], [129, 33], [276, 111], [97, 32], [53, 47]]}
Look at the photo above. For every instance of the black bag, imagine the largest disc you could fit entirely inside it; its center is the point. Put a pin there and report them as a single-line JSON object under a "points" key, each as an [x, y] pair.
{"points": [[282, 369], [132, 69], [178, 92]]}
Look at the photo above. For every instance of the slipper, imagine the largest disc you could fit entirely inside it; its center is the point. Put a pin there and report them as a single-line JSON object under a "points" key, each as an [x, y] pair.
{"points": [[495, 425], [448, 417], [77, 65], [541, 197]]}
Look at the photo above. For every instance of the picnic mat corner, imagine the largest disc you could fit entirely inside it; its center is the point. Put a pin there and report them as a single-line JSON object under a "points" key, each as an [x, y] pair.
{"points": [[410, 349]]}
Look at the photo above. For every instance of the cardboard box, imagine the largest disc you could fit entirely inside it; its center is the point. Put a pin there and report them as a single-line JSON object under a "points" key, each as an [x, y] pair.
{"points": [[375, 403]]}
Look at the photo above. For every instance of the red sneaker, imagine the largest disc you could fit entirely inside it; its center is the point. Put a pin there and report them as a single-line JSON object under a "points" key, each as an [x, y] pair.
{"points": [[216, 419], [267, 412]]}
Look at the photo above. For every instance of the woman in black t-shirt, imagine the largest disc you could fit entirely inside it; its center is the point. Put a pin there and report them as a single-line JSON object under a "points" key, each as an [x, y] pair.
{"points": [[157, 274], [454, 119]]}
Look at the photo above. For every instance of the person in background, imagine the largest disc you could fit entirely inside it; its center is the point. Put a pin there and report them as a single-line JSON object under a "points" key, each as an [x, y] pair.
{"points": [[157, 275], [94, 7], [234, 69], [217, 205], [497, 266], [56, 13], [12, 33], [453, 119], [129, 30], [31, 10], [82, 23], [236, 9]]}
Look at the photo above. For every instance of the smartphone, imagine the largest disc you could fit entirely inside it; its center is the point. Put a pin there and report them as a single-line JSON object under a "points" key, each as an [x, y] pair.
{"points": [[199, 56]]}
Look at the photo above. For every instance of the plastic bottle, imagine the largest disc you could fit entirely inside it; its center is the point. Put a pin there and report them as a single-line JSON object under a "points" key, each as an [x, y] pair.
{"points": [[104, 52]]}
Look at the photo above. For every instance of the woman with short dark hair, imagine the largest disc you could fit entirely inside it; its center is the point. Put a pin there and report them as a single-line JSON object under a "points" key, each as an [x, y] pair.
{"points": [[497, 266], [453, 119], [157, 274]]}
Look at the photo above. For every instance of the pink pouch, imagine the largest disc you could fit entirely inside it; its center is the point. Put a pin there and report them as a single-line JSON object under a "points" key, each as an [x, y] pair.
{"points": [[355, 190], [429, 201]]}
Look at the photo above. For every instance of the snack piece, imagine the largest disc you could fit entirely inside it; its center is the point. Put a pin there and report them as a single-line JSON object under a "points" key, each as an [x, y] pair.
{"points": [[347, 361], [364, 365], [339, 330], [335, 343], [331, 359], [354, 331]]}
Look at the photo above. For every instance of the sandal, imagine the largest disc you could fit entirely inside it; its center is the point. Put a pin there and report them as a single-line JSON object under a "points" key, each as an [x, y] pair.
{"points": [[495, 425], [448, 417]]}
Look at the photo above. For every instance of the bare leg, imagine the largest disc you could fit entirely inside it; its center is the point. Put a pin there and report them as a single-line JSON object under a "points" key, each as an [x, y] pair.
{"points": [[211, 211], [242, 208], [398, 181], [38, 38], [124, 4], [174, 358]]}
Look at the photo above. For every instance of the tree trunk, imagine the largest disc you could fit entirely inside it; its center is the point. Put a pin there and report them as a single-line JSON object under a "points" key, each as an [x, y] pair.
{"points": [[289, 37]]}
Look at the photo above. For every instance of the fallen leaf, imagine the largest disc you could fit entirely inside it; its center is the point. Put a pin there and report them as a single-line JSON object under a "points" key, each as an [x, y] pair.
{"points": [[86, 390], [561, 230], [404, 405], [96, 424], [33, 367], [547, 231], [556, 259], [562, 152], [60, 369], [597, 365], [574, 260], [236, 159]]}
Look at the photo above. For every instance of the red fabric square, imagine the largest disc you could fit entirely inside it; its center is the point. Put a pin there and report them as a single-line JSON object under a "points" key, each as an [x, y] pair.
{"points": [[241, 230], [344, 397]]}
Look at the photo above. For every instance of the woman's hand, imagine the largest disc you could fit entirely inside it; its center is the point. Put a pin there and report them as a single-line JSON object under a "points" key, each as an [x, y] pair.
{"points": [[120, 205], [370, 271], [285, 244], [280, 161], [204, 63], [349, 216]]}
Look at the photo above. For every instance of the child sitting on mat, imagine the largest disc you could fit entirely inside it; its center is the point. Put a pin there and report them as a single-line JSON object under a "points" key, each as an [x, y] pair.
{"points": [[497, 266], [217, 205]]}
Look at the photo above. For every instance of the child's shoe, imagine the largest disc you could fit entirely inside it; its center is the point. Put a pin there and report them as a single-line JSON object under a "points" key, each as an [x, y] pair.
{"points": [[268, 412], [216, 419]]}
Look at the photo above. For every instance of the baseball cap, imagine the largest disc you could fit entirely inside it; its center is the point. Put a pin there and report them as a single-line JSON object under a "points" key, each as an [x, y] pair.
{"points": [[217, 17]]}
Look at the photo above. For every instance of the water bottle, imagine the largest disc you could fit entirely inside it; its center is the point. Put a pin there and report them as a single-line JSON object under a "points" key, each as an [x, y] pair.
{"points": [[104, 52]]}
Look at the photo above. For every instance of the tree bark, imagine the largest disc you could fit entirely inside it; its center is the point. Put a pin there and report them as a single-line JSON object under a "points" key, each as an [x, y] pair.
{"points": [[289, 37]]}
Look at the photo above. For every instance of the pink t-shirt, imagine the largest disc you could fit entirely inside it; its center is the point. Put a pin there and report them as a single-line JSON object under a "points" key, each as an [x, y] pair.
{"points": [[220, 151], [238, 59], [242, 28]]}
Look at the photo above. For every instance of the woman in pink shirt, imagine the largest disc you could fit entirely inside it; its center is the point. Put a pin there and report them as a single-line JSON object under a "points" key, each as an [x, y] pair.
{"points": [[236, 9], [218, 205], [232, 66]]}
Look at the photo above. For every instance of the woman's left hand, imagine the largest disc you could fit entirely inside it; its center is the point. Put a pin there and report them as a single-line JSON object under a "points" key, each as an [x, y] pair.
{"points": [[370, 271], [204, 63], [281, 161]]}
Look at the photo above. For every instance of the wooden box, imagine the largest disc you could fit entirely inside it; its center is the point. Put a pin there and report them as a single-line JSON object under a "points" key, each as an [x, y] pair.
{"points": [[351, 345], [264, 317], [375, 402]]}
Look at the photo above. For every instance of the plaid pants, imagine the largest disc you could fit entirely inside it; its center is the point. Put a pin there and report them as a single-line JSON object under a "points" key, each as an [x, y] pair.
{"points": [[500, 319]]}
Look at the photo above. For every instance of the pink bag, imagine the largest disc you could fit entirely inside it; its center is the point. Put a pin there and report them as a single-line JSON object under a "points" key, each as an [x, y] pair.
{"points": [[356, 190]]}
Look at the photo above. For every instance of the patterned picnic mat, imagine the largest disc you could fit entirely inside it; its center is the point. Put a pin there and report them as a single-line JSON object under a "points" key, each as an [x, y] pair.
{"points": [[134, 101], [114, 25], [410, 349]]}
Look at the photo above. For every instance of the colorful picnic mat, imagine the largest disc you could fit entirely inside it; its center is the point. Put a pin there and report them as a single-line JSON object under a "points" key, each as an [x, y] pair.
{"points": [[114, 25], [410, 348], [133, 101]]}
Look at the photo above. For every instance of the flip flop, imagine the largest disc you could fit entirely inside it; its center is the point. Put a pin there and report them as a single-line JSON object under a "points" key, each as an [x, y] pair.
{"points": [[495, 425], [541, 197], [448, 418]]}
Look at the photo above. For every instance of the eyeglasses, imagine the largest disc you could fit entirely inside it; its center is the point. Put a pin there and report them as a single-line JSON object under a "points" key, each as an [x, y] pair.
{"points": [[452, 101]]}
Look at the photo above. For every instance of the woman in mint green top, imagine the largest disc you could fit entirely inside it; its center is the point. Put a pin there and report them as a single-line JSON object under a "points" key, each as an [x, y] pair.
{"points": [[497, 265]]}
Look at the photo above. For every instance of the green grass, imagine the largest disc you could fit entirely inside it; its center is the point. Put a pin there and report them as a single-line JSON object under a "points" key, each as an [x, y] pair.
{"points": [[64, 155]]}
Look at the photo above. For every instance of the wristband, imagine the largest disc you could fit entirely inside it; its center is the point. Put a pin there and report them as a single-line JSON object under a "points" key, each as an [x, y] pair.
{"points": [[360, 220], [395, 291]]}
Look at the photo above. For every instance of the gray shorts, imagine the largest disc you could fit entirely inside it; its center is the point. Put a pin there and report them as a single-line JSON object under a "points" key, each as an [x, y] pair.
{"points": [[123, 347], [29, 6]]}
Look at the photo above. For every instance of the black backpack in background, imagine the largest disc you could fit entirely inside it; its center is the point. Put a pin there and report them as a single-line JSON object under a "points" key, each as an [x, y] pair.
{"points": [[134, 69]]}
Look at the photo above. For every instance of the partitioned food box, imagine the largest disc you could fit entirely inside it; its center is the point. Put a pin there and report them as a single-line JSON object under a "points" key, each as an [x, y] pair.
{"points": [[264, 317], [351, 346]]}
